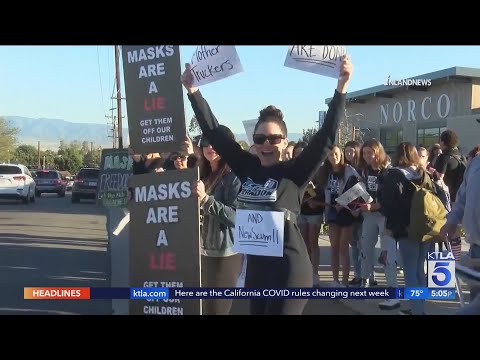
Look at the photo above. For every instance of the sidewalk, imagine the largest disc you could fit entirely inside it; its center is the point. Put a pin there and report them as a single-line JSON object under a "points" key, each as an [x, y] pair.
{"points": [[370, 307]]}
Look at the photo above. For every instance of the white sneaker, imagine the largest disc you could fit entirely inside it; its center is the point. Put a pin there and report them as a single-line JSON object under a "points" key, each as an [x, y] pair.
{"points": [[389, 304]]}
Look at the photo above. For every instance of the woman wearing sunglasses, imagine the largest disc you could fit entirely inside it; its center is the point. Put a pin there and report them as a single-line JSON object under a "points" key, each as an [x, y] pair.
{"points": [[217, 191], [270, 184]]}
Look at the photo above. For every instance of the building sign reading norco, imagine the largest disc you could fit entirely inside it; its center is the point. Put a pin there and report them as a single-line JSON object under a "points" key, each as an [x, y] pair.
{"points": [[411, 112]]}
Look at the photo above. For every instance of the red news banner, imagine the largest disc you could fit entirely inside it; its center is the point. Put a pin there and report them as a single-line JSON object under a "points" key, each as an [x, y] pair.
{"points": [[45, 293]]}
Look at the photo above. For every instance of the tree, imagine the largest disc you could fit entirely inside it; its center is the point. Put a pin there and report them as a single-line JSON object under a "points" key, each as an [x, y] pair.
{"points": [[8, 137], [308, 134], [85, 147], [92, 159], [49, 157], [26, 155], [62, 147], [193, 127], [71, 160]]}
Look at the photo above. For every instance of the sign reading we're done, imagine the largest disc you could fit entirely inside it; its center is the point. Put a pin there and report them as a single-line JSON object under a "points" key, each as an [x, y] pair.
{"points": [[164, 239], [322, 60], [156, 115], [115, 169], [213, 63]]}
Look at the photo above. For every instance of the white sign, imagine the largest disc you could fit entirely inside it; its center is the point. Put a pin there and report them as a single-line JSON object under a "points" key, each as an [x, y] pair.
{"points": [[259, 232], [354, 193], [212, 63], [322, 60], [249, 126]]}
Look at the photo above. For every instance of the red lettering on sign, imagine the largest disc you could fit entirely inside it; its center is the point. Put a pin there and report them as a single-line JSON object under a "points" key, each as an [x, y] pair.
{"points": [[153, 104], [164, 260]]}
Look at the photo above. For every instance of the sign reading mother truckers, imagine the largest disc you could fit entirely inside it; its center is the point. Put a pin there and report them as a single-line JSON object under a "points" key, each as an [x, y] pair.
{"points": [[164, 239], [156, 115]]}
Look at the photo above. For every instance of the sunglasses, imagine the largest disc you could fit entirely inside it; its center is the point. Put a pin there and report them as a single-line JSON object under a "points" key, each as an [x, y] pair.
{"points": [[204, 142], [273, 139]]}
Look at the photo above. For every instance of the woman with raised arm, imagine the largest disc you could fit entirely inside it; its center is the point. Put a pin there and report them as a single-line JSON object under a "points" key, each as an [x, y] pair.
{"points": [[270, 184]]}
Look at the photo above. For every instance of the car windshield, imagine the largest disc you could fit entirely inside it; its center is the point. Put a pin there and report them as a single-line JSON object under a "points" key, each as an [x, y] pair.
{"points": [[47, 174], [10, 170]]}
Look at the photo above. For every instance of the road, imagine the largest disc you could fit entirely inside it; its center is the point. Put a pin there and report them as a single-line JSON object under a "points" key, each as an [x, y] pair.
{"points": [[54, 243], [51, 242]]}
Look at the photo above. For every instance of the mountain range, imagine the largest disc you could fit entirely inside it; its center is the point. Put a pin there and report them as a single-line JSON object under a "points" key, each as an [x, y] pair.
{"points": [[50, 131]]}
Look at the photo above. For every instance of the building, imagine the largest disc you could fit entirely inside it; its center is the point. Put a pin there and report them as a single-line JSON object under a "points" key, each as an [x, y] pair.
{"points": [[446, 99], [249, 126]]}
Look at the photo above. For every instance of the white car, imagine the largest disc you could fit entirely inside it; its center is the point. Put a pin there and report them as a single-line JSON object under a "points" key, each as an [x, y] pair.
{"points": [[16, 182]]}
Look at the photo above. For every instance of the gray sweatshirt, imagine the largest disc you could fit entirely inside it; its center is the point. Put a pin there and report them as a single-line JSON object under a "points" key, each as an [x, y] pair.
{"points": [[466, 205]]}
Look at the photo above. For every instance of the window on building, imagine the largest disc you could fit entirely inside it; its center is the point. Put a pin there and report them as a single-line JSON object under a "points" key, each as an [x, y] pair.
{"points": [[430, 136], [390, 138]]}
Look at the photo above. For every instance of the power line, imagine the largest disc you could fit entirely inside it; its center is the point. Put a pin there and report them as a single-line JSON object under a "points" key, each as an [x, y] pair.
{"points": [[100, 78]]}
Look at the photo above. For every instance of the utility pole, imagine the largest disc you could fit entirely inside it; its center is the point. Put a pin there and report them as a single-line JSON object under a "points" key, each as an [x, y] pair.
{"points": [[119, 97], [113, 130], [38, 152]]}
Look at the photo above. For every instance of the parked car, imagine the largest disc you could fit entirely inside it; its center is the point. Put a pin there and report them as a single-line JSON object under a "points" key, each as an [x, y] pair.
{"points": [[50, 181], [85, 184], [16, 182], [70, 180]]}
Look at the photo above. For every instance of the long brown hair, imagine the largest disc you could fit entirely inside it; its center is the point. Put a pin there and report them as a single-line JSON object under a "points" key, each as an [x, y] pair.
{"points": [[406, 155], [356, 146], [380, 155], [327, 168], [207, 175]]}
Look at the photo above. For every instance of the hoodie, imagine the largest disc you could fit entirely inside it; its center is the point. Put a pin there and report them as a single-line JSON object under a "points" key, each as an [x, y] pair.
{"points": [[466, 206]]}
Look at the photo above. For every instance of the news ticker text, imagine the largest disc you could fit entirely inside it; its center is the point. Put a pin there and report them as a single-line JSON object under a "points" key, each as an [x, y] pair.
{"points": [[83, 293]]}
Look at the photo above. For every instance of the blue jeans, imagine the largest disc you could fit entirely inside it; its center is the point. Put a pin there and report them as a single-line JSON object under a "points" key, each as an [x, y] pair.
{"points": [[414, 254], [355, 246]]}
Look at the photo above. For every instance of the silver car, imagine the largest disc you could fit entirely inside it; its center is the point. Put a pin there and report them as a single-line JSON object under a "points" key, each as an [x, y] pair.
{"points": [[50, 181]]}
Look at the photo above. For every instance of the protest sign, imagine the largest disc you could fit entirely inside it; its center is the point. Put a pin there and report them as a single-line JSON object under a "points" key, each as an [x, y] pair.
{"points": [[213, 63], [322, 60], [115, 170], [259, 232], [164, 239], [357, 191], [154, 94]]}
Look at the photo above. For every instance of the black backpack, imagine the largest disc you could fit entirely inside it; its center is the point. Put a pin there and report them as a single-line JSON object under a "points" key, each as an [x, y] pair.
{"points": [[459, 171]]}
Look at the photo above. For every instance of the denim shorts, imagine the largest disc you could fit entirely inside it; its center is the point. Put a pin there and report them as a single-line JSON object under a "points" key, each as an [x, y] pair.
{"points": [[310, 219]]}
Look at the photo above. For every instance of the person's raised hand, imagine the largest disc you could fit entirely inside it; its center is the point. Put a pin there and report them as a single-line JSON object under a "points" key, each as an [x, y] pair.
{"points": [[187, 79], [346, 70]]}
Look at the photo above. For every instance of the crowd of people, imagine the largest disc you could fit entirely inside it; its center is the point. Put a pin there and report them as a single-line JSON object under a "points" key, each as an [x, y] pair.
{"points": [[303, 180]]}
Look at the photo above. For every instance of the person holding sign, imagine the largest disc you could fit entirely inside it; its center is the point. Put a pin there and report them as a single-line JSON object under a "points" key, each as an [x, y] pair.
{"points": [[217, 191], [271, 193], [336, 177]]}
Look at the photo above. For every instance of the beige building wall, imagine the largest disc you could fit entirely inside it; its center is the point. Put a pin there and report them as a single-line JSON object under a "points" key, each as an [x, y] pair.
{"points": [[468, 131], [444, 104]]}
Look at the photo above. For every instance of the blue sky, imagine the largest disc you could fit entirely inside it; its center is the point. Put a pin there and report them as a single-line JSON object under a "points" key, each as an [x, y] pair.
{"points": [[75, 83]]}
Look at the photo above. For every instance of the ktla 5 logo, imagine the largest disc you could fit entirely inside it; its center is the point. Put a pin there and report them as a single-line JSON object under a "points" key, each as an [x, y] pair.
{"points": [[441, 270]]}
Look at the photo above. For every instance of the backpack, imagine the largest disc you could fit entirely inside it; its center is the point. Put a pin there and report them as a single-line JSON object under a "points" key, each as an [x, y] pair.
{"points": [[459, 171], [427, 211]]}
